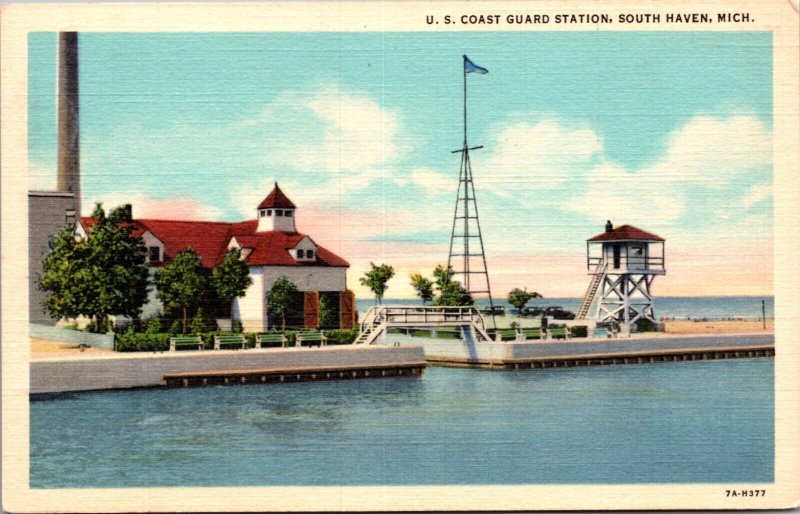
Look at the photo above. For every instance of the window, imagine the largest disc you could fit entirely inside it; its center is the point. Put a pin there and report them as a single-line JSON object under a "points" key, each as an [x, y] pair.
{"points": [[278, 212], [269, 212], [263, 213], [300, 254], [310, 254], [154, 253], [288, 214], [638, 250]]}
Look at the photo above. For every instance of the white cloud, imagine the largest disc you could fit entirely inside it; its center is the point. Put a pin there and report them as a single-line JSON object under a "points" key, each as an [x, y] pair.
{"points": [[345, 139], [757, 194], [706, 153], [533, 157], [432, 182], [145, 207]]}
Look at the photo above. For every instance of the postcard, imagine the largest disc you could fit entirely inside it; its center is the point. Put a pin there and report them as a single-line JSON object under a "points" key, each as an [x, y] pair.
{"points": [[402, 256]]}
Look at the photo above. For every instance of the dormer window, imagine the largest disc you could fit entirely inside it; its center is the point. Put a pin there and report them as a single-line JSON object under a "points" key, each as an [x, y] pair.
{"points": [[301, 254], [154, 253], [309, 254]]}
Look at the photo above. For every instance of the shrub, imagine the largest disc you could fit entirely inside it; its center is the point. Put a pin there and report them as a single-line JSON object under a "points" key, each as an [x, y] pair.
{"points": [[153, 326], [579, 331], [341, 336], [645, 325], [236, 326], [142, 342], [175, 328], [514, 325], [197, 325]]}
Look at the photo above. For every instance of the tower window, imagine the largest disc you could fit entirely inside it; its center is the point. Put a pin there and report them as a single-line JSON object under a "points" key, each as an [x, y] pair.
{"points": [[154, 253], [301, 254], [288, 214], [263, 213], [278, 212], [269, 212]]}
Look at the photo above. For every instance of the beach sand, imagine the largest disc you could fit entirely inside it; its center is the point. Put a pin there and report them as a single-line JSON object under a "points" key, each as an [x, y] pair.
{"points": [[715, 327]]}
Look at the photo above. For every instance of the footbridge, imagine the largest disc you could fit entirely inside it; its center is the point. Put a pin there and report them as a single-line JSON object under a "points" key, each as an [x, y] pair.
{"points": [[379, 319]]}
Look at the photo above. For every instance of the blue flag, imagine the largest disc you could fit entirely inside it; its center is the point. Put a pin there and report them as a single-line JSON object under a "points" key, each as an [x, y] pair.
{"points": [[470, 66]]}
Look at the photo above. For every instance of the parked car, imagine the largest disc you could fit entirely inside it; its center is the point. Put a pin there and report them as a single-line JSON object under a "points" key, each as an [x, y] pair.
{"points": [[531, 311], [497, 310], [558, 313]]}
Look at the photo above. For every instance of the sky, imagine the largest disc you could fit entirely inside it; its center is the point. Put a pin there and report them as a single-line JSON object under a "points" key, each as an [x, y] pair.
{"points": [[667, 131]]}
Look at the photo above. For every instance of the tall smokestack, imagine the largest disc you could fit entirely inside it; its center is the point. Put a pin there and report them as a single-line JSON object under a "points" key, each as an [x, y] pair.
{"points": [[69, 178]]}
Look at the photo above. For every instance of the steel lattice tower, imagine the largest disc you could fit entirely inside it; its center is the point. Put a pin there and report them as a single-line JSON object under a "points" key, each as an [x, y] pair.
{"points": [[467, 255]]}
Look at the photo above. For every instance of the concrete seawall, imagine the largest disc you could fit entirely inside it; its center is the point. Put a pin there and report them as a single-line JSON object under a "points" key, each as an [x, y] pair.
{"points": [[588, 351], [131, 370]]}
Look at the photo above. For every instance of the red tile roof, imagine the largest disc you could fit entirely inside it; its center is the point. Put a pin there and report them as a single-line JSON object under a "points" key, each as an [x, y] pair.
{"points": [[209, 240], [276, 198], [625, 233]]}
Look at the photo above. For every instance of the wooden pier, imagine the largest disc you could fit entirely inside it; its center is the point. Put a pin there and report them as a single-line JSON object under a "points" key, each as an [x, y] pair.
{"points": [[277, 375]]}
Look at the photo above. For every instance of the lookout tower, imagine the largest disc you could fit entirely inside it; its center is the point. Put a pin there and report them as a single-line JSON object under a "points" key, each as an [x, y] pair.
{"points": [[276, 212], [623, 262]]}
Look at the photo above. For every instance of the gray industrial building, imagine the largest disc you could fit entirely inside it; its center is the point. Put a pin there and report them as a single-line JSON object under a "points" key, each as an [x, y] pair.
{"points": [[50, 211]]}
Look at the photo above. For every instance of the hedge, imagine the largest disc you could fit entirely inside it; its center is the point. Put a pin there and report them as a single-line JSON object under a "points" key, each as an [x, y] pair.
{"points": [[341, 336], [149, 342], [579, 331], [142, 342]]}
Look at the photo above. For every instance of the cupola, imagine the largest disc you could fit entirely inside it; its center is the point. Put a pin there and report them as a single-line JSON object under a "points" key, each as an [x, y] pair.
{"points": [[276, 212]]}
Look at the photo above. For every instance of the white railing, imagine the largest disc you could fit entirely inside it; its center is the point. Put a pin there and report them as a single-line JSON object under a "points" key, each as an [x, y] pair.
{"points": [[379, 318]]}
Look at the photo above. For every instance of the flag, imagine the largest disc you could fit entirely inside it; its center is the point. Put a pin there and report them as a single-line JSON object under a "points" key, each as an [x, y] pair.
{"points": [[469, 67]]}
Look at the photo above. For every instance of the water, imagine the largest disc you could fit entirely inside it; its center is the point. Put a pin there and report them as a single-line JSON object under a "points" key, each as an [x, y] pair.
{"points": [[674, 422], [681, 307]]}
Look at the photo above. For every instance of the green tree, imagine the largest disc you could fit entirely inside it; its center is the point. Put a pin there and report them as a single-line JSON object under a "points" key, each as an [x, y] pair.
{"points": [[231, 278], [376, 279], [423, 286], [451, 292], [101, 275], [326, 312], [519, 297], [280, 296], [182, 283]]}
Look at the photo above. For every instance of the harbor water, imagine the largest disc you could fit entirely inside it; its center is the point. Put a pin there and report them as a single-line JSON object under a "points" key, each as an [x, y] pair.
{"points": [[687, 422]]}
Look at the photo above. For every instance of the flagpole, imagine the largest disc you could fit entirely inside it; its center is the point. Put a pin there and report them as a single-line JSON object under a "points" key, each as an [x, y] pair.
{"points": [[464, 69]]}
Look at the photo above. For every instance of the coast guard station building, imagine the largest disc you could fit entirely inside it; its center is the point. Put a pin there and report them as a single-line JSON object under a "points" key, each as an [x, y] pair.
{"points": [[271, 246]]}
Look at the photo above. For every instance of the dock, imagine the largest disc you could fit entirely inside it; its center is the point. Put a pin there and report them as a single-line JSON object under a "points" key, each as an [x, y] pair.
{"points": [[538, 354], [94, 372]]}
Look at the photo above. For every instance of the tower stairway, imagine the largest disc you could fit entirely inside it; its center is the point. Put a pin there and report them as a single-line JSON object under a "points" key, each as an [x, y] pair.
{"points": [[591, 291]]}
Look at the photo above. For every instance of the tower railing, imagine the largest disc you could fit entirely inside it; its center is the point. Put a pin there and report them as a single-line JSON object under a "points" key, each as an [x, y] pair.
{"points": [[632, 263]]}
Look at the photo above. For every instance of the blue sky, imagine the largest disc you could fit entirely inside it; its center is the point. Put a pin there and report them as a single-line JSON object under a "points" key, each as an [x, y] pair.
{"points": [[670, 131]]}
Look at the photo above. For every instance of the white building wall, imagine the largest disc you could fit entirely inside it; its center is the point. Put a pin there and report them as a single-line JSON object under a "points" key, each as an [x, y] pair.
{"points": [[250, 308], [308, 278]]}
